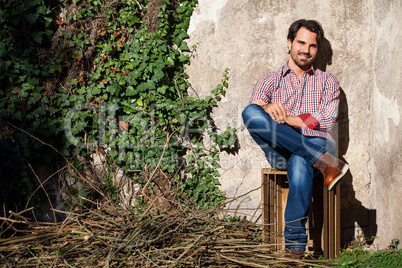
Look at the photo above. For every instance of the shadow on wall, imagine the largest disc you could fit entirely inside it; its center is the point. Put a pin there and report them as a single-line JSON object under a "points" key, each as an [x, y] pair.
{"points": [[324, 55], [358, 224]]}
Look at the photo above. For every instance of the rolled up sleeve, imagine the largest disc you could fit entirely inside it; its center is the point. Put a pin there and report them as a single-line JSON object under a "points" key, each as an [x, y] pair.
{"points": [[329, 106], [263, 88]]}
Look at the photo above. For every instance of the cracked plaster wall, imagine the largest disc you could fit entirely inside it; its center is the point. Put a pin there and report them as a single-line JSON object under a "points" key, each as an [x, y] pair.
{"points": [[249, 37], [386, 109]]}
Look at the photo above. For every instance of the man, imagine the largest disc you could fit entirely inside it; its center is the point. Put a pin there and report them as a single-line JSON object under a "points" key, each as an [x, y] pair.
{"points": [[290, 116]]}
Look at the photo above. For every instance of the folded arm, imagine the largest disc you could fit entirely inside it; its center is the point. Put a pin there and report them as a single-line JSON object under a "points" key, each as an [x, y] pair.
{"points": [[278, 113]]}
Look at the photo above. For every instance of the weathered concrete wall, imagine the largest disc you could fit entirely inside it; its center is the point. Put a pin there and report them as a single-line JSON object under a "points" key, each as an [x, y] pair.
{"points": [[386, 109], [249, 37]]}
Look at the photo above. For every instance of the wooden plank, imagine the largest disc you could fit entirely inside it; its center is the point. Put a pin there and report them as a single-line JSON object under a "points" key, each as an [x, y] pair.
{"points": [[325, 230], [274, 183], [265, 204], [271, 209], [273, 171], [337, 220], [331, 224], [283, 191]]}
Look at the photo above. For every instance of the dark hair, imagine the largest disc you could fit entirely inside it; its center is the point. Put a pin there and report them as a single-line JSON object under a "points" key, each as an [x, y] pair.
{"points": [[311, 25]]}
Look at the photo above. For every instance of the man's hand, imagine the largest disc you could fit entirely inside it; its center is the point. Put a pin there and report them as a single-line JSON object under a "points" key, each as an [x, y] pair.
{"points": [[278, 114], [275, 110]]}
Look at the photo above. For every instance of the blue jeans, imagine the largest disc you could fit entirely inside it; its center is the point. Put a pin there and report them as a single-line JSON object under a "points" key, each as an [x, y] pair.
{"points": [[287, 149]]}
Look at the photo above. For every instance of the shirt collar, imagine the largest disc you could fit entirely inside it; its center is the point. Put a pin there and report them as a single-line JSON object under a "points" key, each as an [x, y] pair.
{"points": [[286, 69]]}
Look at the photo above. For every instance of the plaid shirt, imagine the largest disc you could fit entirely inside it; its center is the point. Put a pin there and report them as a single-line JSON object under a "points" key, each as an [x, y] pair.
{"points": [[317, 94]]}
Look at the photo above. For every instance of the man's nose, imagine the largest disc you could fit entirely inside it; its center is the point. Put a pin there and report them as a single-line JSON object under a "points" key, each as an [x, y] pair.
{"points": [[306, 49]]}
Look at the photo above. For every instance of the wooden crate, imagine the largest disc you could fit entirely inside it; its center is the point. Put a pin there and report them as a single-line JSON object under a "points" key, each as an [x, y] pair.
{"points": [[323, 227]]}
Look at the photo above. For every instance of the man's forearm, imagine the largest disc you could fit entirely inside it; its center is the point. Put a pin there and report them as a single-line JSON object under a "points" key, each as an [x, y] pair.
{"points": [[295, 121]]}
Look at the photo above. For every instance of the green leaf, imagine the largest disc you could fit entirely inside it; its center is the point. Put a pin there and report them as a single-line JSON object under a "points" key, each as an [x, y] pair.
{"points": [[146, 85], [24, 93], [37, 36], [158, 75], [162, 89], [184, 47], [48, 21], [17, 115], [48, 32], [200, 163], [33, 3], [32, 17], [183, 58], [130, 91], [170, 61], [82, 90], [115, 89], [45, 99], [96, 90]]}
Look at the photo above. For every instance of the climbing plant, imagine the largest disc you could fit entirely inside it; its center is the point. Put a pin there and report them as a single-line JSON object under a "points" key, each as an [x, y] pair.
{"points": [[129, 94], [26, 102]]}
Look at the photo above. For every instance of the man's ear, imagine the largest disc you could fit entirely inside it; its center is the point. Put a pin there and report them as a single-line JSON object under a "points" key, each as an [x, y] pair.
{"points": [[289, 44]]}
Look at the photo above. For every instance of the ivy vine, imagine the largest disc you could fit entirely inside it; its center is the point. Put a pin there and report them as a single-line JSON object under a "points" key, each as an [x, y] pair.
{"points": [[130, 96]]}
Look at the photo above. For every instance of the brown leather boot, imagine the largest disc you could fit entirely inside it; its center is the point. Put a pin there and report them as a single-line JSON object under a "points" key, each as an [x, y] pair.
{"points": [[332, 168], [296, 254]]}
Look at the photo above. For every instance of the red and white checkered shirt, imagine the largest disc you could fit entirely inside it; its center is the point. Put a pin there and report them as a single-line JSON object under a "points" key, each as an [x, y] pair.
{"points": [[317, 93]]}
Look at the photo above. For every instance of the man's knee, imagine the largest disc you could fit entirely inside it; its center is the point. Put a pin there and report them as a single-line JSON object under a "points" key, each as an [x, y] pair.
{"points": [[254, 113], [250, 110]]}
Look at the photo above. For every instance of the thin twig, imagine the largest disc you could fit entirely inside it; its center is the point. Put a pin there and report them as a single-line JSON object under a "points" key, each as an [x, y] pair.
{"points": [[36, 258], [41, 184], [247, 264], [44, 190], [185, 252]]}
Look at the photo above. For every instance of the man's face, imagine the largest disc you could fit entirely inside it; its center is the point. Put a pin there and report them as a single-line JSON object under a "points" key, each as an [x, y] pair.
{"points": [[303, 49]]}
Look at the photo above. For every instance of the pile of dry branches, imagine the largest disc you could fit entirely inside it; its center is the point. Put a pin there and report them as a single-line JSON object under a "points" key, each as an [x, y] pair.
{"points": [[110, 237]]}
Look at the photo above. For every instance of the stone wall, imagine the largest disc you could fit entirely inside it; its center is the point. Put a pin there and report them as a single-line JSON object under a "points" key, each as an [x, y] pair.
{"points": [[249, 37]]}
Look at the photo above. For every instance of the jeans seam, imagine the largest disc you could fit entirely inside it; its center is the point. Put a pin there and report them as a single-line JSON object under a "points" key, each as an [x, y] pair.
{"points": [[316, 156]]}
